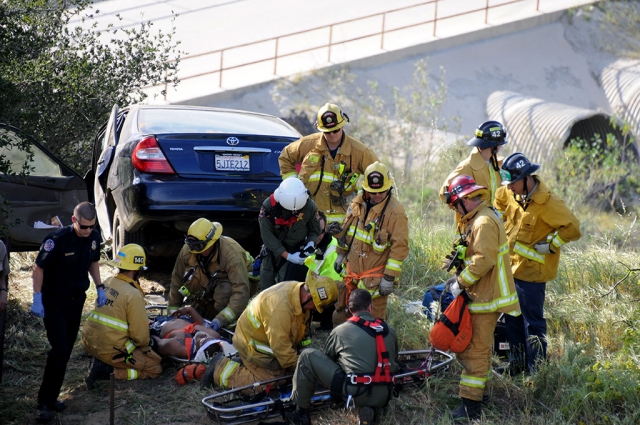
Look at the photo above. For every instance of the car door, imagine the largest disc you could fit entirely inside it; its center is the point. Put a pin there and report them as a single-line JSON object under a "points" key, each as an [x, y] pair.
{"points": [[41, 199], [103, 150]]}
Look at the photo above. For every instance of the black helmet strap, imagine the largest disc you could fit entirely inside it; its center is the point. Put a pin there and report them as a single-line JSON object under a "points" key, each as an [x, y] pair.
{"points": [[494, 158]]}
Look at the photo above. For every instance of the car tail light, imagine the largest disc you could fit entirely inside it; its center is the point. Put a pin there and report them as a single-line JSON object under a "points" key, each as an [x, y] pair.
{"points": [[148, 157]]}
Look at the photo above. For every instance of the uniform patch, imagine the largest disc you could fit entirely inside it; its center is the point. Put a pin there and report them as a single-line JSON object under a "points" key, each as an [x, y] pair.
{"points": [[262, 213], [49, 244], [322, 293], [94, 245], [313, 159]]}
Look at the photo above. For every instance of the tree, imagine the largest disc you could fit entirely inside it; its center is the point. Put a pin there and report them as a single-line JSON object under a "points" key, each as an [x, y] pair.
{"points": [[59, 77]]}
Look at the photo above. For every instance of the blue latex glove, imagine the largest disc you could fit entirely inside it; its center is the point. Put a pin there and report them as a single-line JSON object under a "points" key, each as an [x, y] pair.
{"points": [[37, 309], [215, 325], [102, 297]]}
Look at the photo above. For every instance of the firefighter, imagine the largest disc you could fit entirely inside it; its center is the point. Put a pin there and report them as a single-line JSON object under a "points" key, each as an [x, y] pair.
{"points": [[117, 334], [352, 364], [538, 224], [210, 273], [322, 262], [487, 278], [269, 332], [483, 164], [374, 241], [289, 227], [330, 162]]}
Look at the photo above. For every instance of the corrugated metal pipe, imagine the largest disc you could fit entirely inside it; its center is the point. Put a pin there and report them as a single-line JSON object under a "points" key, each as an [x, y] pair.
{"points": [[621, 83], [541, 129]]}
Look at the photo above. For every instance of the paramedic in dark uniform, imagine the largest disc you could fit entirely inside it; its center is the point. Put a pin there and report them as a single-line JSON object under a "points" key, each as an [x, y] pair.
{"points": [[60, 281], [350, 353]]}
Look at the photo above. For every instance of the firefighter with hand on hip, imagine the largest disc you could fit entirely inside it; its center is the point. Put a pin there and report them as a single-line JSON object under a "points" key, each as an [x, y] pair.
{"points": [[116, 334], [289, 226], [538, 224], [60, 282], [269, 333], [210, 273], [330, 163], [374, 242], [358, 362], [483, 164], [487, 278]]}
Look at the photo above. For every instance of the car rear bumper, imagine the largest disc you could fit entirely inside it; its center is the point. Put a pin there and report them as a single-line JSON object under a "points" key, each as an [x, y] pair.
{"points": [[167, 199]]}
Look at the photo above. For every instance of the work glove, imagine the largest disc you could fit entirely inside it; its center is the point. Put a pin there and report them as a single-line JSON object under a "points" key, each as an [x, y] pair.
{"points": [[295, 258], [334, 228], [102, 297], [455, 289], [338, 264], [37, 309], [216, 325], [543, 248], [386, 286], [309, 249]]}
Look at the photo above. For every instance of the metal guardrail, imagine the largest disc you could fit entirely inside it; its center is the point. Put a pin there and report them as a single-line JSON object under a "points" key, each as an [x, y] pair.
{"points": [[330, 42]]}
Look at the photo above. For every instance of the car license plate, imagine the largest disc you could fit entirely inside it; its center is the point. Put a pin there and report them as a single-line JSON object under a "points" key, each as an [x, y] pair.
{"points": [[232, 162]]}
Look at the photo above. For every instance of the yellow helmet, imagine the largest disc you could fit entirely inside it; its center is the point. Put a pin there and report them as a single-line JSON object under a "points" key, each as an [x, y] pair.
{"points": [[130, 257], [377, 178], [324, 290], [202, 235], [331, 118]]}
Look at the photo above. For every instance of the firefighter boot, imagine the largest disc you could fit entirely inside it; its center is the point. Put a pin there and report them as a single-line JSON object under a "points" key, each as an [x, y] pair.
{"points": [[207, 378], [99, 372], [365, 415], [468, 410], [299, 416]]}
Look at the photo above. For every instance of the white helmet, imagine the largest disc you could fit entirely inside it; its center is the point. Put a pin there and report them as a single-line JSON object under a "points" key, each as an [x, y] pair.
{"points": [[291, 194]]}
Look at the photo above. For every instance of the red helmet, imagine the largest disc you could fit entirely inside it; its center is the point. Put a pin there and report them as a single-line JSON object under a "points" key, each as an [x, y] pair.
{"points": [[460, 187]]}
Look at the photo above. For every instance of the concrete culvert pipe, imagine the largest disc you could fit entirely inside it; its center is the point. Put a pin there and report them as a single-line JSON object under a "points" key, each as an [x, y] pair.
{"points": [[541, 129], [621, 84]]}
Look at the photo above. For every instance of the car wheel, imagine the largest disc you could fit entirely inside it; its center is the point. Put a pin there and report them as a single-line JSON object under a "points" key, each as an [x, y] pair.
{"points": [[121, 237]]}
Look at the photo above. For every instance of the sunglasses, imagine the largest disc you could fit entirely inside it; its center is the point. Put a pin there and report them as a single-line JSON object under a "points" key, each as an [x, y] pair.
{"points": [[333, 132], [85, 227]]}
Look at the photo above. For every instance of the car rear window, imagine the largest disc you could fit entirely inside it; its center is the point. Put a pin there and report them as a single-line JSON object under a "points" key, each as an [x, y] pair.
{"points": [[158, 121]]}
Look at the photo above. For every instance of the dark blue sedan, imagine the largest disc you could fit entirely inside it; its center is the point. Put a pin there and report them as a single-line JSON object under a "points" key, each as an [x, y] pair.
{"points": [[159, 168]]}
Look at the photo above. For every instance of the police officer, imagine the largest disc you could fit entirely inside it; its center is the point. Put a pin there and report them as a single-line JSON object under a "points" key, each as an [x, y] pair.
{"points": [[289, 227], [211, 274], [330, 162], [59, 284], [350, 354]]}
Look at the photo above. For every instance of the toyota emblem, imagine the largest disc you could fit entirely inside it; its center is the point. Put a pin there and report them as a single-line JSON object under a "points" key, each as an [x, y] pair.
{"points": [[232, 141]]}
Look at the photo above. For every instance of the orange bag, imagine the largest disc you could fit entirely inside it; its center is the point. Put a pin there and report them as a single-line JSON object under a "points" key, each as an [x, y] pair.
{"points": [[453, 329]]}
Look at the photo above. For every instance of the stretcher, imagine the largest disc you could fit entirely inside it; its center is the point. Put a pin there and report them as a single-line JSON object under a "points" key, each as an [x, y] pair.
{"points": [[269, 399]]}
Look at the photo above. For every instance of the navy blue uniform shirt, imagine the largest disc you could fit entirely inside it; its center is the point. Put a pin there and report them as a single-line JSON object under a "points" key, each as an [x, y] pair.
{"points": [[65, 258]]}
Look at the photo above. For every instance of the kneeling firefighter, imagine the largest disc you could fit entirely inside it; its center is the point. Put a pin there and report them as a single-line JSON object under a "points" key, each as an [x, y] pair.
{"points": [[117, 334]]}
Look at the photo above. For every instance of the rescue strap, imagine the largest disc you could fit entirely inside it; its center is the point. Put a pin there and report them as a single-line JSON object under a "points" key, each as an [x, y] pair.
{"points": [[351, 277], [382, 374], [279, 221]]}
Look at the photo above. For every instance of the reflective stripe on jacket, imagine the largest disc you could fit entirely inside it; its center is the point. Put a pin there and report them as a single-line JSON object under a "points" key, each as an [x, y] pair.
{"points": [[121, 323], [352, 159], [325, 266], [269, 330], [487, 275], [385, 243], [546, 218]]}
